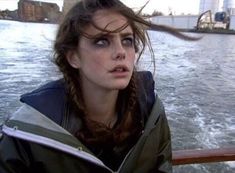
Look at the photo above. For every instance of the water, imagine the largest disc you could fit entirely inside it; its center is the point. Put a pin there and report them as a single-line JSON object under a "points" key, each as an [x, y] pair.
{"points": [[195, 80], [25, 60]]}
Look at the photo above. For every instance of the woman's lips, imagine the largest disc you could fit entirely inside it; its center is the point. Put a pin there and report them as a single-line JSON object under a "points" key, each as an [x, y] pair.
{"points": [[119, 68], [120, 71]]}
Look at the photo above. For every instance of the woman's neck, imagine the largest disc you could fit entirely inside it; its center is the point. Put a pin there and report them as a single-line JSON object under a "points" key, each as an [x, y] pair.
{"points": [[101, 106]]}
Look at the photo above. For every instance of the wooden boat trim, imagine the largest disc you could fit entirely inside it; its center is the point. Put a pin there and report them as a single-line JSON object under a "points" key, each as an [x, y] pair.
{"points": [[182, 157]]}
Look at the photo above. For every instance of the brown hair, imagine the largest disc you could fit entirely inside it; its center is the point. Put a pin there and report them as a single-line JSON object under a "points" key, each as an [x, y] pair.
{"points": [[69, 33]]}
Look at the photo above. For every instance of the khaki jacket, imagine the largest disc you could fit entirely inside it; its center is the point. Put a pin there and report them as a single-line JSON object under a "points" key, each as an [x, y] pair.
{"points": [[38, 144], [31, 143]]}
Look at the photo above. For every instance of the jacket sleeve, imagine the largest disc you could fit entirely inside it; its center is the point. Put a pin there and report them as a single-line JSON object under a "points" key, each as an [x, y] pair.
{"points": [[152, 153], [156, 154], [164, 156]]}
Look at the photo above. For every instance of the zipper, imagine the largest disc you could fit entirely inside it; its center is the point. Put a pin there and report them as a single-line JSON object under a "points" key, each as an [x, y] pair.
{"points": [[124, 160], [78, 152]]}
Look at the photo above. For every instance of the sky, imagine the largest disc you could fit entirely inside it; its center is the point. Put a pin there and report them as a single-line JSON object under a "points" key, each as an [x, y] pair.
{"points": [[165, 6]]}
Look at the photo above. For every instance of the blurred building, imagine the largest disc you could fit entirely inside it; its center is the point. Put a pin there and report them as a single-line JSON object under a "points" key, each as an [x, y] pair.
{"points": [[36, 11], [68, 4]]}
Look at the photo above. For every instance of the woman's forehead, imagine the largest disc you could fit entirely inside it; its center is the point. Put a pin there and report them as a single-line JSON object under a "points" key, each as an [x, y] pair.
{"points": [[109, 20]]}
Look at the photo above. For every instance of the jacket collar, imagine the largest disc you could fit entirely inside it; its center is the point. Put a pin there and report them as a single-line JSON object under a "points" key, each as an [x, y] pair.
{"points": [[29, 124]]}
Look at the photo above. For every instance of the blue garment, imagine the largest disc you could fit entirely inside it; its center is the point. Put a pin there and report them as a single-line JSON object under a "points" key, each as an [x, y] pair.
{"points": [[51, 100]]}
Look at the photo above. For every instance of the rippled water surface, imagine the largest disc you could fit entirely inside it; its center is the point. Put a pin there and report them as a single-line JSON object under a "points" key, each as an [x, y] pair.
{"points": [[195, 80]]}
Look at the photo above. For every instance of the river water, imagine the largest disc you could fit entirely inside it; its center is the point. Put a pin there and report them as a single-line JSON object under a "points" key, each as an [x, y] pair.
{"points": [[195, 80]]}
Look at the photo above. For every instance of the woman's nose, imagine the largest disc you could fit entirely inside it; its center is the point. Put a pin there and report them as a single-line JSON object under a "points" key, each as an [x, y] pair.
{"points": [[119, 53]]}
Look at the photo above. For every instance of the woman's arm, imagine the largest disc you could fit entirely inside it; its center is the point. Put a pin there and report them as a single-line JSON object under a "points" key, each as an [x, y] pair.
{"points": [[164, 164]]}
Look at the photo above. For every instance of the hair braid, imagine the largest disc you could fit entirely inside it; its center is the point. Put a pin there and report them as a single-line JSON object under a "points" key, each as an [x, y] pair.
{"points": [[129, 125], [73, 88]]}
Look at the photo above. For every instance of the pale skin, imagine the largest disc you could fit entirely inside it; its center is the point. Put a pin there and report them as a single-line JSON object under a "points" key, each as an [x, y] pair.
{"points": [[105, 65]]}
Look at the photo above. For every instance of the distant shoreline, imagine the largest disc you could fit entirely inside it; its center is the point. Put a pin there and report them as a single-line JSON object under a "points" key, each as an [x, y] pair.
{"points": [[27, 21], [208, 31]]}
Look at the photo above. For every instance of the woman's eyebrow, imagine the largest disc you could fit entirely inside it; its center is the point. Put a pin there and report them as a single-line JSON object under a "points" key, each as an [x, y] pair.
{"points": [[105, 34], [123, 34], [127, 34]]}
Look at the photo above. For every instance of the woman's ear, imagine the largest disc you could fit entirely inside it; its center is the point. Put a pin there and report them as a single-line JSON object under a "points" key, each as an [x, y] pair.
{"points": [[73, 59]]}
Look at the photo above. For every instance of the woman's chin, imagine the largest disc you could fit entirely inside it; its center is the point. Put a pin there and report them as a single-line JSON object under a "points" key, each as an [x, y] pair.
{"points": [[120, 86]]}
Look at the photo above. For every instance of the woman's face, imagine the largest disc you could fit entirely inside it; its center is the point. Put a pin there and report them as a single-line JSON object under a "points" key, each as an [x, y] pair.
{"points": [[106, 61]]}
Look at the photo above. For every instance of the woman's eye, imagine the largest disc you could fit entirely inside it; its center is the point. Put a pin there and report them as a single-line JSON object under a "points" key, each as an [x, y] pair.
{"points": [[129, 41], [101, 42]]}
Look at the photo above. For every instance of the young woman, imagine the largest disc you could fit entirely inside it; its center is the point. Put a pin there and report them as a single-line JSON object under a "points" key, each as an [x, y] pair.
{"points": [[103, 116]]}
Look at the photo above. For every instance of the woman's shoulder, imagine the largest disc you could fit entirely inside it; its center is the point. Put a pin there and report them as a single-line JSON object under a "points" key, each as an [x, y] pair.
{"points": [[48, 99], [145, 91], [48, 87], [145, 75], [145, 82], [149, 101]]}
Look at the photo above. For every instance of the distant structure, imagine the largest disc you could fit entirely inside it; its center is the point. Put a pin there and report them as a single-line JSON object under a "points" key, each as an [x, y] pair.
{"points": [[68, 4], [212, 16], [9, 15], [36, 11], [212, 5], [229, 7]]}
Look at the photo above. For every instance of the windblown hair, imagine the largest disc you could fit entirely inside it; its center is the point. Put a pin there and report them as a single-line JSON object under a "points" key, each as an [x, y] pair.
{"points": [[70, 31]]}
